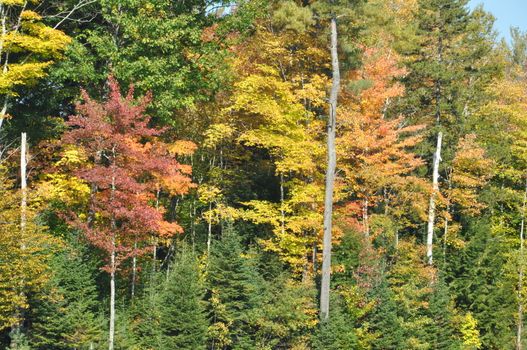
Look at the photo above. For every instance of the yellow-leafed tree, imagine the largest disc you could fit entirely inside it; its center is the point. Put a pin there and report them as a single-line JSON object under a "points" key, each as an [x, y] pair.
{"points": [[27, 47], [24, 255]]}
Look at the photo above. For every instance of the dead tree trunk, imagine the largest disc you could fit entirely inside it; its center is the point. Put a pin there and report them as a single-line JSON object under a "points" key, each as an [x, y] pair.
{"points": [[330, 175]]}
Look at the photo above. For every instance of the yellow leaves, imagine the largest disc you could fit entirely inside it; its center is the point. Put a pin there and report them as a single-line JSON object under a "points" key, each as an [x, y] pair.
{"points": [[21, 74], [13, 2], [33, 44], [217, 133], [209, 193], [37, 38], [470, 171], [313, 90], [28, 15], [24, 254], [182, 148], [67, 189], [470, 332], [262, 212], [71, 157], [61, 187]]}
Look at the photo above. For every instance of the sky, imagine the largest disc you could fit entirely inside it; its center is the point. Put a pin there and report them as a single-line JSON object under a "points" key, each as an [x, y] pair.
{"points": [[507, 12]]}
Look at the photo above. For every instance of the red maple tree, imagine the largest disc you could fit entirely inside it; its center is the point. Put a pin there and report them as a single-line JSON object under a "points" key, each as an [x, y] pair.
{"points": [[127, 164]]}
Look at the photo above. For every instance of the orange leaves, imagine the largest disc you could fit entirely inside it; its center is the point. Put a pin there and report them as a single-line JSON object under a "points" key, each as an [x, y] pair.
{"points": [[471, 170], [182, 148], [373, 150]]}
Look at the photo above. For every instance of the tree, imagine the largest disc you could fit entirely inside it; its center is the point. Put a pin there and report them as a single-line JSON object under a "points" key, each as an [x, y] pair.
{"points": [[234, 294], [431, 79], [68, 316], [374, 152], [126, 164], [25, 255], [27, 48], [329, 13], [336, 332], [183, 319], [385, 320]]}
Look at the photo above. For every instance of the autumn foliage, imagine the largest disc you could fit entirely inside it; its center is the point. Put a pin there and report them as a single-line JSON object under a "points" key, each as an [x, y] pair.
{"points": [[126, 166]]}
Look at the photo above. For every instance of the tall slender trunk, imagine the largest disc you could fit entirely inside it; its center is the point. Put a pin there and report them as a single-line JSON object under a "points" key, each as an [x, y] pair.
{"points": [[16, 329], [209, 228], [112, 298], [134, 272], [445, 231], [113, 267], [433, 195], [519, 331], [23, 181], [330, 175], [365, 218], [282, 211]]}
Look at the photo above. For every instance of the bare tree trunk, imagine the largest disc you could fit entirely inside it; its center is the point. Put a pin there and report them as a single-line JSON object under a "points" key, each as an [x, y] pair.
{"points": [[134, 271], [17, 327], [519, 331], [209, 233], [112, 299], [433, 195], [113, 267], [23, 181], [365, 218], [330, 175], [282, 211]]}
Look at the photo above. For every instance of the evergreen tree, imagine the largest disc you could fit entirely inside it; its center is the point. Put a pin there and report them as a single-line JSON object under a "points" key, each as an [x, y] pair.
{"points": [[182, 319], [337, 332], [385, 321], [441, 333], [235, 293], [67, 317]]}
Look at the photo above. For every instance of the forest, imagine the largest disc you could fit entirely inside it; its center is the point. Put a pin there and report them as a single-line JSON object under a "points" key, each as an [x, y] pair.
{"points": [[261, 174]]}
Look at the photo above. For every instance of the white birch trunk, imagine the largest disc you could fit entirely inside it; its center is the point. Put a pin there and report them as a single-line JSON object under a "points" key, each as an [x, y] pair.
{"points": [[519, 330], [113, 267], [330, 175], [111, 334], [209, 233], [433, 195], [23, 182]]}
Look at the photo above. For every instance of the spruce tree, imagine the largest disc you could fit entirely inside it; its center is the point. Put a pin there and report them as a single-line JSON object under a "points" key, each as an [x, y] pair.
{"points": [[337, 332], [67, 317], [183, 320], [235, 294], [385, 322], [441, 333]]}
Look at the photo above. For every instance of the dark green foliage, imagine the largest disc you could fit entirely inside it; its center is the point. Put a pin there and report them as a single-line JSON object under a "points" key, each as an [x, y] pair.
{"points": [[171, 312], [183, 321], [338, 332], [235, 293], [484, 286], [66, 316], [385, 321], [441, 332]]}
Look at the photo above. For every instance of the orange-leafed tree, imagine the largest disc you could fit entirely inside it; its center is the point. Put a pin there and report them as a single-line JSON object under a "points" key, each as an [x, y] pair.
{"points": [[373, 150]]}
